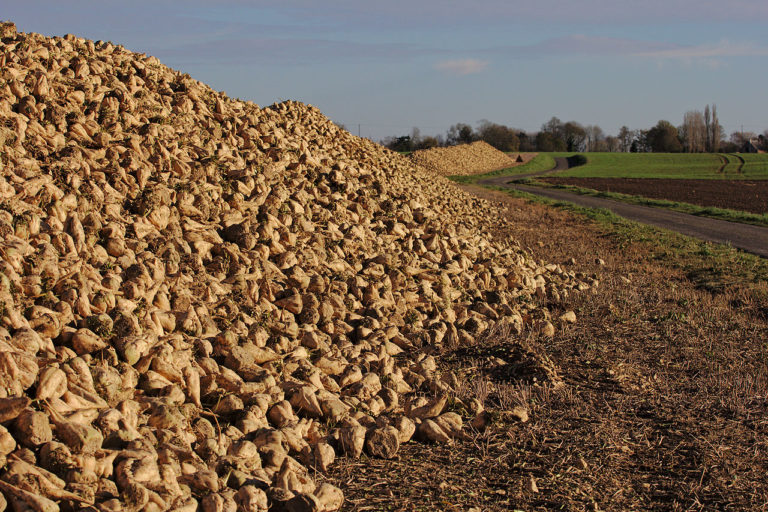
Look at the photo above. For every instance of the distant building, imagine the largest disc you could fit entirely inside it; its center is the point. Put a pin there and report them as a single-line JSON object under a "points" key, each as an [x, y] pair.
{"points": [[752, 146]]}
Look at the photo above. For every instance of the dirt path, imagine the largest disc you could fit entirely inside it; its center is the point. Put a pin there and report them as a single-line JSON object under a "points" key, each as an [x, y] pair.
{"points": [[750, 238]]}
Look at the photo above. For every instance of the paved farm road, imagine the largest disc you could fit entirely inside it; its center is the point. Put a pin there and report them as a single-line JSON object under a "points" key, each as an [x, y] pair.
{"points": [[750, 238]]}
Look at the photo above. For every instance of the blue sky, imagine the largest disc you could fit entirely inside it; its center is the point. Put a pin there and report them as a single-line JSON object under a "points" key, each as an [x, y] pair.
{"points": [[390, 66]]}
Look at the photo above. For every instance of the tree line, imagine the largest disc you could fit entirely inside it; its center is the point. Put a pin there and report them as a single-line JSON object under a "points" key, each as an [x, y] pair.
{"points": [[700, 132]]}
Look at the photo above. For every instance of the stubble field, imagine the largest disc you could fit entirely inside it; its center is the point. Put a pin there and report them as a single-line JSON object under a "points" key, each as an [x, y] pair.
{"points": [[663, 396]]}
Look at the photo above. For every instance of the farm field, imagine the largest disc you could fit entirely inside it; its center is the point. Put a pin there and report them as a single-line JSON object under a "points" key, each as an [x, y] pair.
{"points": [[699, 166], [749, 196], [670, 166], [710, 185], [755, 164]]}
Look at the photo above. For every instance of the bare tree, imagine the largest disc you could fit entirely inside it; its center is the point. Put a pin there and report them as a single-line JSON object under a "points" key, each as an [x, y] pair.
{"points": [[460, 133], [693, 132], [716, 131], [641, 141], [741, 138], [554, 127], [527, 141], [426, 142], [612, 144], [594, 136], [545, 141], [625, 139], [499, 136], [415, 136], [708, 129], [574, 136]]}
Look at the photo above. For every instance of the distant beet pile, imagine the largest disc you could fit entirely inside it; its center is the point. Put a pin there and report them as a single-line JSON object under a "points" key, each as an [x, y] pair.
{"points": [[475, 158], [203, 301]]}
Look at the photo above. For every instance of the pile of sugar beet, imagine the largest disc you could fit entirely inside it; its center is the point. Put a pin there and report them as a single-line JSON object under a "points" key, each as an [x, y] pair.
{"points": [[475, 158], [203, 303]]}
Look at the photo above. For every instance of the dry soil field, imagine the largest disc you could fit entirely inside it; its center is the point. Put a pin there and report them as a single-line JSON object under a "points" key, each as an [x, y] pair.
{"points": [[744, 195]]}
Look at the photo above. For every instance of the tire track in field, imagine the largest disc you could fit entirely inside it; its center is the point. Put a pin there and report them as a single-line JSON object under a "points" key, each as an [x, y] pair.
{"points": [[725, 162], [740, 168]]}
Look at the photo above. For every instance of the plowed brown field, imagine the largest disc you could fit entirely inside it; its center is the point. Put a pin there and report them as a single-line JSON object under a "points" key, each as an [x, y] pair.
{"points": [[749, 196]]}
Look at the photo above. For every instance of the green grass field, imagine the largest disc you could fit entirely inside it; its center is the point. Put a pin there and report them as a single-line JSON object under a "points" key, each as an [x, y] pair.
{"points": [[755, 164], [670, 165], [730, 166]]}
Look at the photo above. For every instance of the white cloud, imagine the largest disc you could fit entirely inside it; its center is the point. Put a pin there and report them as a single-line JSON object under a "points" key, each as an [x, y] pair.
{"points": [[462, 67]]}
